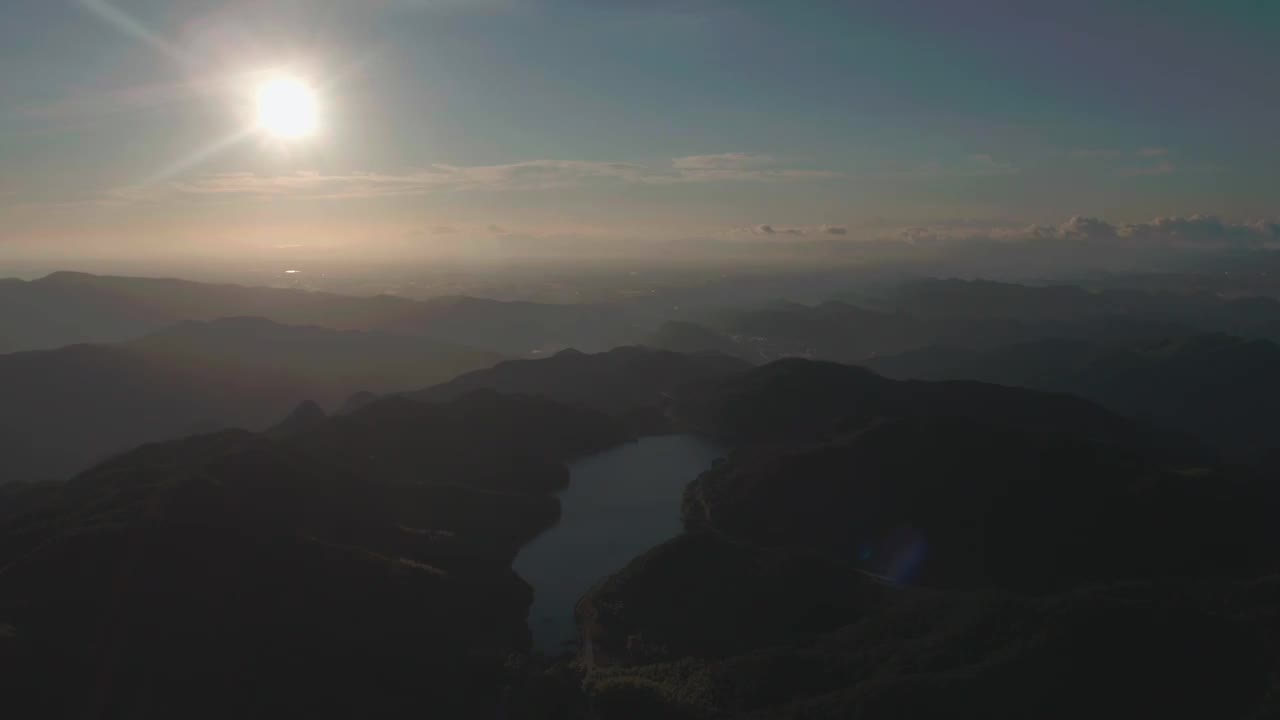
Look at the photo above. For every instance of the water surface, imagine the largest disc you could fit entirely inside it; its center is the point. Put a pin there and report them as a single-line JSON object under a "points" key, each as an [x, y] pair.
{"points": [[619, 504]]}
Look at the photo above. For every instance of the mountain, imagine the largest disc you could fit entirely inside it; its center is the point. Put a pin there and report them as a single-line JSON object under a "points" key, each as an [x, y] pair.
{"points": [[955, 503], [67, 308], [356, 402], [304, 417], [621, 381], [871, 549], [795, 596], [358, 566], [349, 360], [876, 549], [1114, 651], [803, 400], [65, 409], [842, 332], [692, 338], [1216, 387], [976, 315], [955, 298]]}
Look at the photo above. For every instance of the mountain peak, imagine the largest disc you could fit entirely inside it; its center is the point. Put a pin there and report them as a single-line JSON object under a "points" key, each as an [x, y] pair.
{"points": [[356, 402], [306, 415]]}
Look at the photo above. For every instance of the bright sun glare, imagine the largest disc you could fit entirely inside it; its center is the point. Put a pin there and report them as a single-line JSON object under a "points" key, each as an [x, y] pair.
{"points": [[287, 108]]}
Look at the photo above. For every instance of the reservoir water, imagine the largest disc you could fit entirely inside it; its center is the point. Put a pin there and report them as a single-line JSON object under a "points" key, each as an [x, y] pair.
{"points": [[619, 504]]}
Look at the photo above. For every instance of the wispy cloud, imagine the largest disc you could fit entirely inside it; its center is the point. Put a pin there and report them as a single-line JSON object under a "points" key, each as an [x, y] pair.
{"points": [[977, 165], [722, 161], [735, 167], [1149, 151], [1174, 232], [1164, 167], [793, 231], [531, 175]]}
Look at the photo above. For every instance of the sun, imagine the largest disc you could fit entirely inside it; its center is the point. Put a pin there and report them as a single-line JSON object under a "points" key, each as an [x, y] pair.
{"points": [[287, 108]]}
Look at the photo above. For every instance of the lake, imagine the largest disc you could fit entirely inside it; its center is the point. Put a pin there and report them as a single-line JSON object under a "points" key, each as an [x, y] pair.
{"points": [[619, 504]]}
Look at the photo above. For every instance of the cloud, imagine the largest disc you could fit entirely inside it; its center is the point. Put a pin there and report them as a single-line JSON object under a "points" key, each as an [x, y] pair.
{"points": [[794, 231], [978, 165], [1086, 227], [529, 175], [1097, 153], [723, 161], [771, 230], [1165, 233], [734, 167], [1149, 151], [1004, 249], [443, 230], [1164, 167]]}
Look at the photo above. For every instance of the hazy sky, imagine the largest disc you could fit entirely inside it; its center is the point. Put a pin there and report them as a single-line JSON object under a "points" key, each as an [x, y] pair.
{"points": [[464, 124]]}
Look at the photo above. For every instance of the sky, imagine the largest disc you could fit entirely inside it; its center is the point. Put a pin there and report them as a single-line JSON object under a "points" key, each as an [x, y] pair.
{"points": [[525, 126]]}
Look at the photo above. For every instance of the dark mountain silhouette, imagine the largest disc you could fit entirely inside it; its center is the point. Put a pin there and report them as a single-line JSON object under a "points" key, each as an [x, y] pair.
{"points": [[356, 402], [1217, 387], [623, 380], [802, 400], [692, 338], [954, 502], [832, 330], [873, 548], [794, 597], [484, 437], [847, 333], [371, 361], [1173, 648], [1065, 303], [361, 566], [65, 409], [304, 417], [66, 308], [952, 548]]}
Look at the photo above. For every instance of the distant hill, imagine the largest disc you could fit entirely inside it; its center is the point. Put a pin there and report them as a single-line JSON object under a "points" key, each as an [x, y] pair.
{"points": [[1066, 303], [65, 409], [1217, 387], [622, 380], [67, 308], [688, 337], [971, 314], [350, 360]]}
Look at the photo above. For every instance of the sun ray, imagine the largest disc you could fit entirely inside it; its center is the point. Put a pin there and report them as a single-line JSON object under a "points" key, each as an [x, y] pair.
{"points": [[122, 21], [200, 156]]}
